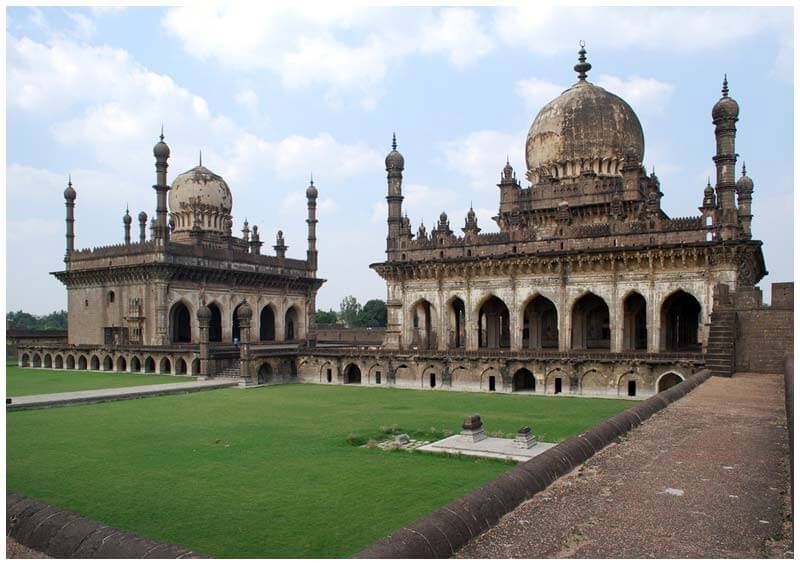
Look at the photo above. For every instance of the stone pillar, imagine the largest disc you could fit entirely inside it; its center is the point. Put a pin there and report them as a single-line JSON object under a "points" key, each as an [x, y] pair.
{"points": [[161, 153], [162, 324], [245, 314], [204, 320], [69, 197], [514, 326], [142, 226], [724, 115]]}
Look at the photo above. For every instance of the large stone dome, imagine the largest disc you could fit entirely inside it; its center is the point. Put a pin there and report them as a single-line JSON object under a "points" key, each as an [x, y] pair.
{"points": [[585, 128], [200, 199]]}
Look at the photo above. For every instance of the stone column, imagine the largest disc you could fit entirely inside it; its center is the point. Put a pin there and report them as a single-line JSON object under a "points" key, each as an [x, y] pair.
{"points": [[162, 324], [204, 319], [245, 313]]}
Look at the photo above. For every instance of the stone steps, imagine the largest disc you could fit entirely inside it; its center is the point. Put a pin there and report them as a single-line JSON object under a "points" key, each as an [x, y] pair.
{"points": [[720, 353]]}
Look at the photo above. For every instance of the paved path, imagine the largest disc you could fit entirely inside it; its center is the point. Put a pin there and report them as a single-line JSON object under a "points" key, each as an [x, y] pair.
{"points": [[106, 394], [706, 477]]}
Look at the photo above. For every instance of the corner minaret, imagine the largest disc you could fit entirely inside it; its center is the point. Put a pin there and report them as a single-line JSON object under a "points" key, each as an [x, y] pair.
{"points": [[744, 191], [311, 254], [69, 202], [142, 226], [126, 222], [394, 175], [724, 116], [161, 153]]}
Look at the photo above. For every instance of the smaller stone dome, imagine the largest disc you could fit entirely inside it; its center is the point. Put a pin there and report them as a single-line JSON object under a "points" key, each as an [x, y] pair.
{"points": [[204, 313], [142, 216], [745, 183], [161, 149], [244, 311], [69, 192], [394, 160], [127, 217], [726, 107], [311, 191]]}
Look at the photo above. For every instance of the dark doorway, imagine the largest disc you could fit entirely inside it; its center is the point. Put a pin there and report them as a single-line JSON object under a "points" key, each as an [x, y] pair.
{"points": [[180, 322], [215, 324], [680, 316], [329, 375], [264, 373], [457, 333], [136, 365], [236, 334], [492, 383], [635, 323], [433, 380], [668, 381], [267, 327], [631, 388], [493, 325], [523, 380], [290, 324], [352, 375], [540, 325], [424, 336], [558, 386], [590, 323]]}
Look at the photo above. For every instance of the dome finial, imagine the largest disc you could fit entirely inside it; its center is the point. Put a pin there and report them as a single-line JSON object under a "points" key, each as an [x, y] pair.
{"points": [[312, 178], [162, 132], [201, 157], [394, 142], [744, 169], [69, 180], [725, 86], [582, 67]]}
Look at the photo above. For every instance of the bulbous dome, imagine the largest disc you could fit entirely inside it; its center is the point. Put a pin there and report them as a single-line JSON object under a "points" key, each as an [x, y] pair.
{"points": [[726, 107], [586, 127], [244, 311], [204, 313], [161, 149], [69, 192], [745, 183], [142, 216], [202, 186], [311, 191], [395, 160]]}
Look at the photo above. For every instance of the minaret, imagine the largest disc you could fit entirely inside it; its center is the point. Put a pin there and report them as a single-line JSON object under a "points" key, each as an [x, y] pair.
{"points": [[161, 153], [255, 242], [246, 231], [126, 221], [724, 115], [69, 198], [744, 190], [311, 254], [709, 207], [509, 188], [394, 175], [280, 246], [142, 226]]}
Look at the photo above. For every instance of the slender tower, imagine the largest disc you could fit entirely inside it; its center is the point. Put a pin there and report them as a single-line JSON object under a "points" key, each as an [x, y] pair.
{"points": [[69, 198], [161, 153], [394, 175], [311, 254], [142, 226], [126, 222], [744, 190], [724, 115]]}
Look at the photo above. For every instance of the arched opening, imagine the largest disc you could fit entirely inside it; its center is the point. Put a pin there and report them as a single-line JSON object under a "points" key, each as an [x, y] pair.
{"points": [[108, 363], [82, 363], [136, 365], [165, 367], [180, 323], [328, 375], [290, 324], [37, 360], [122, 365], [266, 330], [352, 374], [58, 362], [540, 324], [523, 380], [180, 367], [149, 365], [680, 317], [634, 323], [492, 384], [264, 373], [423, 335], [25, 360], [195, 367], [236, 334], [493, 325], [668, 381], [215, 323], [432, 380], [70, 362], [94, 363], [48, 361], [557, 385], [456, 317], [590, 323]]}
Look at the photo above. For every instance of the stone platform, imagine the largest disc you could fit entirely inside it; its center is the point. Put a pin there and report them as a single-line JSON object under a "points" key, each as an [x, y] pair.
{"points": [[489, 448]]}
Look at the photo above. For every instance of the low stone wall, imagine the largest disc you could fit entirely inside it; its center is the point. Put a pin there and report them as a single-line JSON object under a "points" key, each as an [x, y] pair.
{"points": [[788, 390], [441, 533], [65, 534], [765, 334]]}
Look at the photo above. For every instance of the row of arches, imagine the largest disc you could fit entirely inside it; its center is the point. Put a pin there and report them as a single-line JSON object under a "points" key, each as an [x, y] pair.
{"points": [[591, 324], [122, 364], [180, 324]]}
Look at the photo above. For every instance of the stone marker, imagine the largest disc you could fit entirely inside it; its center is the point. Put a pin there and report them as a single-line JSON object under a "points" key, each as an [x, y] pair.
{"points": [[402, 439], [472, 428], [525, 438]]}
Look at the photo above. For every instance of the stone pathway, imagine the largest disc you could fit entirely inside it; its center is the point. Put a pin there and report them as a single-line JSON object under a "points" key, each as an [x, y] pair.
{"points": [[705, 478], [106, 394]]}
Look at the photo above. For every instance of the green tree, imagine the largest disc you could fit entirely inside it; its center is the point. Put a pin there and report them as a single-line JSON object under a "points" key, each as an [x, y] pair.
{"points": [[329, 317], [53, 321], [349, 310], [373, 314]]}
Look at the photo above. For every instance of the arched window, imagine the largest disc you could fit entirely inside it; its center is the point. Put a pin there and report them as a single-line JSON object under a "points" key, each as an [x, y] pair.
{"points": [[122, 365], [290, 324], [680, 318], [215, 324], [352, 374], [457, 337], [634, 323], [267, 324], [591, 327], [540, 324], [493, 325], [180, 323], [423, 335], [236, 334]]}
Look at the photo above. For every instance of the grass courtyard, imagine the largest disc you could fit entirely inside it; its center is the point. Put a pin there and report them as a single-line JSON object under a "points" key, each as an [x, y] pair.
{"points": [[269, 472], [22, 382]]}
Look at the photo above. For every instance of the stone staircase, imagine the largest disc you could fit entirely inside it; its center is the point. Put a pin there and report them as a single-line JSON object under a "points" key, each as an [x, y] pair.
{"points": [[231, 372], [720, 354]]}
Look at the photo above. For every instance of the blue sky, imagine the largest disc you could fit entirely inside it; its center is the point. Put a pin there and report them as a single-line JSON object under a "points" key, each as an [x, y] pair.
{"points": [[270, 94]]}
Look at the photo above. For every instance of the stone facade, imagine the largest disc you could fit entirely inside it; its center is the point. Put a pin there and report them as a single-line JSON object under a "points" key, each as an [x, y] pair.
{"points": [[765, 334]]}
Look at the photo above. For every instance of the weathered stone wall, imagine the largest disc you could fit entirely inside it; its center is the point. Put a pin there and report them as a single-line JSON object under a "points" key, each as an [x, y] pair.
{"points": [[765, 334]]}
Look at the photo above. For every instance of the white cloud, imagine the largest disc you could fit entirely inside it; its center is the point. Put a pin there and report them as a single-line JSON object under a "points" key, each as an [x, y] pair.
{"points": [[643, 94], [537, 92], [248, 98], [84, 28], [458, 33], [480, 156]]}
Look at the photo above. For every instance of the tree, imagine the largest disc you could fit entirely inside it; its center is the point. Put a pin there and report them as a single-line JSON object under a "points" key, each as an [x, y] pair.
{"points": [[349, 310], [373, 314], [329, 317], [23, 320]]}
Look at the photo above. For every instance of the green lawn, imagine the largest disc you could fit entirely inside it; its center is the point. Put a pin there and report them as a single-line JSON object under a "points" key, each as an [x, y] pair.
{"points": [[267, 472], [21, 382]]}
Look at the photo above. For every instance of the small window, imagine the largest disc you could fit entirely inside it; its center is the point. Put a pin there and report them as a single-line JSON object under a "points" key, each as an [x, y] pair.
{"points": [[330, 375], [558, 386], [491, 383], [441, 254], [631, 388], [514, 249], [110, 296], [433, 380], [403, 256], [86, 303], [377, 377], [469, 252]]}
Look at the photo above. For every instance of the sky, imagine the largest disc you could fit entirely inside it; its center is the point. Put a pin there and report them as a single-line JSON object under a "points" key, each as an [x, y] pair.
{"points": [[270, 94]]}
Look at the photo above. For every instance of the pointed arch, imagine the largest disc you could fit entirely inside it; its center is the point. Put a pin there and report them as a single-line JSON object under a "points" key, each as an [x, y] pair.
{"points": [[266, 328], [680, 321], [122, 364], [180, 323], [668, 380], [456, 323], [352, 374], [58, 361], [215, 323], [94, 363], [82, 364], [290, 324], [539, 323], [136, 365], [423, 331], [591, 323], [108, 363], [48, 361], [634, 322], [180, 366], [70, 361], [493, 324], [523, 380], [149, 365], [195, 366], [24, 361], [165, 366]]}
